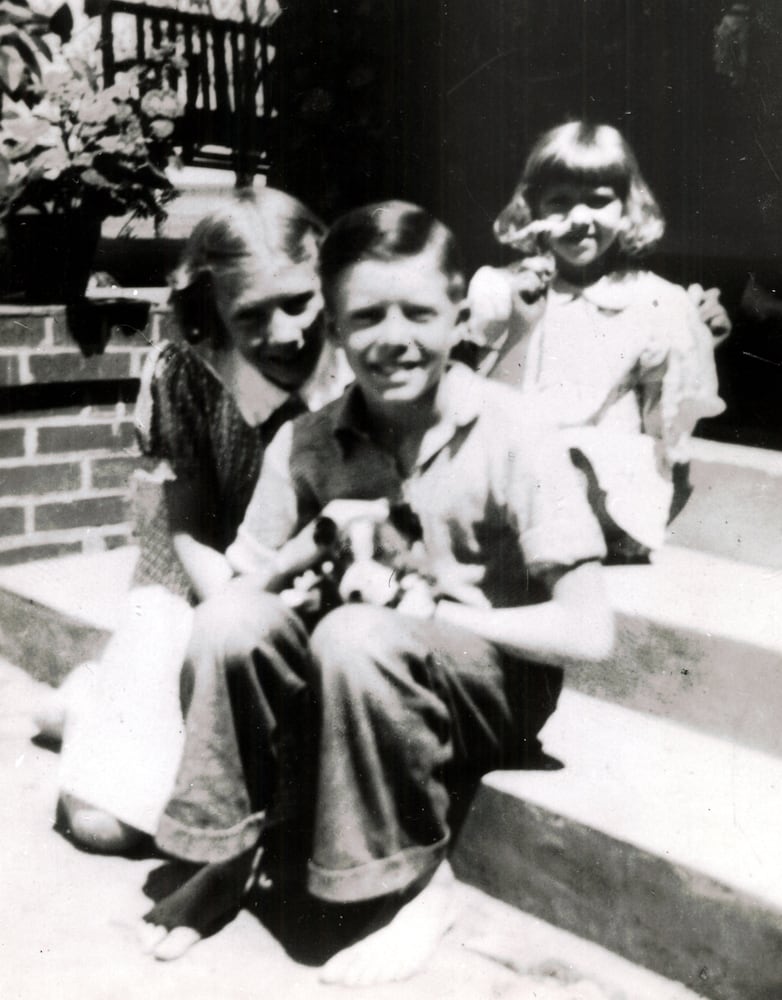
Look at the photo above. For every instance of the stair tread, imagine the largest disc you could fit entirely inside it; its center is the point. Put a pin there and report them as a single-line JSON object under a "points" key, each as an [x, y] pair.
{"points": [[702, 592], [682, 588], [87, 587], [695, 800]]}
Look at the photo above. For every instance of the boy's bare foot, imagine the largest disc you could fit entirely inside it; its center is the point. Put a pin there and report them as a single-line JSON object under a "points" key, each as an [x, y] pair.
{"points": [[402, 947], [96, 829], [208, 901], [167, 945]]}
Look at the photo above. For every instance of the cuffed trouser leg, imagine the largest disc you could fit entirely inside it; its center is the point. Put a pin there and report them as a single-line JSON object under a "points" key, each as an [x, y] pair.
{"points": [[249, 725], [407, 707]]}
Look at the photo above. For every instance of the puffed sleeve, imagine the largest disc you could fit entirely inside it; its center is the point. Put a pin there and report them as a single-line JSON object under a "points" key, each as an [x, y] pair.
{"points": [[678, 375], [490, 300], [172, 413], [169, 408]]}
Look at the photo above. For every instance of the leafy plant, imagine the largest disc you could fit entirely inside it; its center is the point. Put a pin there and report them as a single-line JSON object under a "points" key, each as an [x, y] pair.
{"points": [[71, 143], [24, 49]]}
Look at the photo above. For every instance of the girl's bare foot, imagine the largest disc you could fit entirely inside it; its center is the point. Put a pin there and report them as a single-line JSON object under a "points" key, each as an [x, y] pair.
{"points": [[402, 947], [96, 829]]}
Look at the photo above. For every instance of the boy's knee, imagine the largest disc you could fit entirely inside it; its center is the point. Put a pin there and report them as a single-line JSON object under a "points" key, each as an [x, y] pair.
{"points": [[354, 642]]}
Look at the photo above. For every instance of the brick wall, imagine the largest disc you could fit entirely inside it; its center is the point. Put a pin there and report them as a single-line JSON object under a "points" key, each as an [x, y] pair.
{"points": [[67, 444]]}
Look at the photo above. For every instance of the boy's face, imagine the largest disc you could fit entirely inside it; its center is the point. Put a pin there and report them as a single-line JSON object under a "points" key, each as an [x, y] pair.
{"points": [[272, 312], [397, 325]]}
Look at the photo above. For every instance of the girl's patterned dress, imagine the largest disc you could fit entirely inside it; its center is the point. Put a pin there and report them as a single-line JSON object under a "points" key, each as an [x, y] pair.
{"points": [[201, 461], [123, 740]]}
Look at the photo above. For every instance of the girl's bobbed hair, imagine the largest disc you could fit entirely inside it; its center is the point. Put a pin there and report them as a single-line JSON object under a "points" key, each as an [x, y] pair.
{"points": [[253, 226], [388, 231], [588, 154]]}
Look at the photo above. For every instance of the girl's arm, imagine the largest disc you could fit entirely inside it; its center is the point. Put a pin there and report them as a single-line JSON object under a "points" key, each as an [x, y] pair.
{"points": [[168, 414], [678, 379], [490, 301], [207, 569], [576, 624], [504, 306]]}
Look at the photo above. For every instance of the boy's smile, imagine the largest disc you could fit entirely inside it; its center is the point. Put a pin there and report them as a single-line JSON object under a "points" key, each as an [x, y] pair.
{"points": [[397, 325]]}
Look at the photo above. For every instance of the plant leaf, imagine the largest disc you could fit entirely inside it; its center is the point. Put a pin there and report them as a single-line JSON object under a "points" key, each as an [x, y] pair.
{"points": [[50, 163], [12, 69], [95, 179]]}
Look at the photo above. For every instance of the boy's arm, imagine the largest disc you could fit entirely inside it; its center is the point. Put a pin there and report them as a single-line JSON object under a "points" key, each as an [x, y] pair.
{"points": [[277, 538], [272, 516], [576, 624]]}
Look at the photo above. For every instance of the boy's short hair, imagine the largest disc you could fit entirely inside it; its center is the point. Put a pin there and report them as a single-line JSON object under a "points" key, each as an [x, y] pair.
{"points": [[388, 231], [592, 154], [265, 225]]}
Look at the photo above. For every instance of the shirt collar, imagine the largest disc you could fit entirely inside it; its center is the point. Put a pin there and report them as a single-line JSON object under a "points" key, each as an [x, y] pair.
{"points": [[258, 398], [331, 377], [460, 399], [612, 293]]}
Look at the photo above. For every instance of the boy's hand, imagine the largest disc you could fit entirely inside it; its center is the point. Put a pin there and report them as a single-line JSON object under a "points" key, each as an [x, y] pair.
{"points": [[711, 311]]}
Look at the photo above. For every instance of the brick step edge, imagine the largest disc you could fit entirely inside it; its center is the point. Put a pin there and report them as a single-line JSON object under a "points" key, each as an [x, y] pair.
{"points": [[654, 841], [45, 642]]}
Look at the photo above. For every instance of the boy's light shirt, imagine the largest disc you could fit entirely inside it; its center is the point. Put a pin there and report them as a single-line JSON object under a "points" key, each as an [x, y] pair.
{"points": [[498, 502]]}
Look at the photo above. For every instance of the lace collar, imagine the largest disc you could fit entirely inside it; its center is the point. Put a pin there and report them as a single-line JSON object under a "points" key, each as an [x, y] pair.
{"points": [[611, 293]]}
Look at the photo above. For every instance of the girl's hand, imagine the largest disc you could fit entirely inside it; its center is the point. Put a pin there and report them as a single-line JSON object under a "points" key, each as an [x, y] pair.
{"points": [[531, 276], [711, 311]]}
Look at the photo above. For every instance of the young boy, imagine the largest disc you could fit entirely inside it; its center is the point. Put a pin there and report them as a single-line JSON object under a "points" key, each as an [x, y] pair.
{"points": [[407, 708]]}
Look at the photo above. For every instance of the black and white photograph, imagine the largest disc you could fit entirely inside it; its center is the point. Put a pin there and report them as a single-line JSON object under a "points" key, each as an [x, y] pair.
{"points": [[391, 499]]}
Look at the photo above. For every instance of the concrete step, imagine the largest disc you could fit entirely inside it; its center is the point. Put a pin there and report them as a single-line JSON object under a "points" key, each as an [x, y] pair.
{"points": [[57, 613], [700, 637], [657, 838], [658, 842], [734, 508], [71, 935], [700, 642]]}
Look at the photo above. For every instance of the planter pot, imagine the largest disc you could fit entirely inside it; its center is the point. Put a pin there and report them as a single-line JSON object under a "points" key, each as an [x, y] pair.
{"points": [[51, 255]]}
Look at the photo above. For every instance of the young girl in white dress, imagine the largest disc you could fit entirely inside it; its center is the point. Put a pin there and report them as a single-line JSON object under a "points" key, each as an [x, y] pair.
{"points": [[615, 355]]}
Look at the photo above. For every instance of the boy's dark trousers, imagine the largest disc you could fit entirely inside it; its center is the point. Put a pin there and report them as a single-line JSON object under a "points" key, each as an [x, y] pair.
{"points": [[369, 729]]}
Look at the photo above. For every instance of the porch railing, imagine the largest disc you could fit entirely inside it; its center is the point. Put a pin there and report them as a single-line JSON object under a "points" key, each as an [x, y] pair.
{"points": [[224, 83]]}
